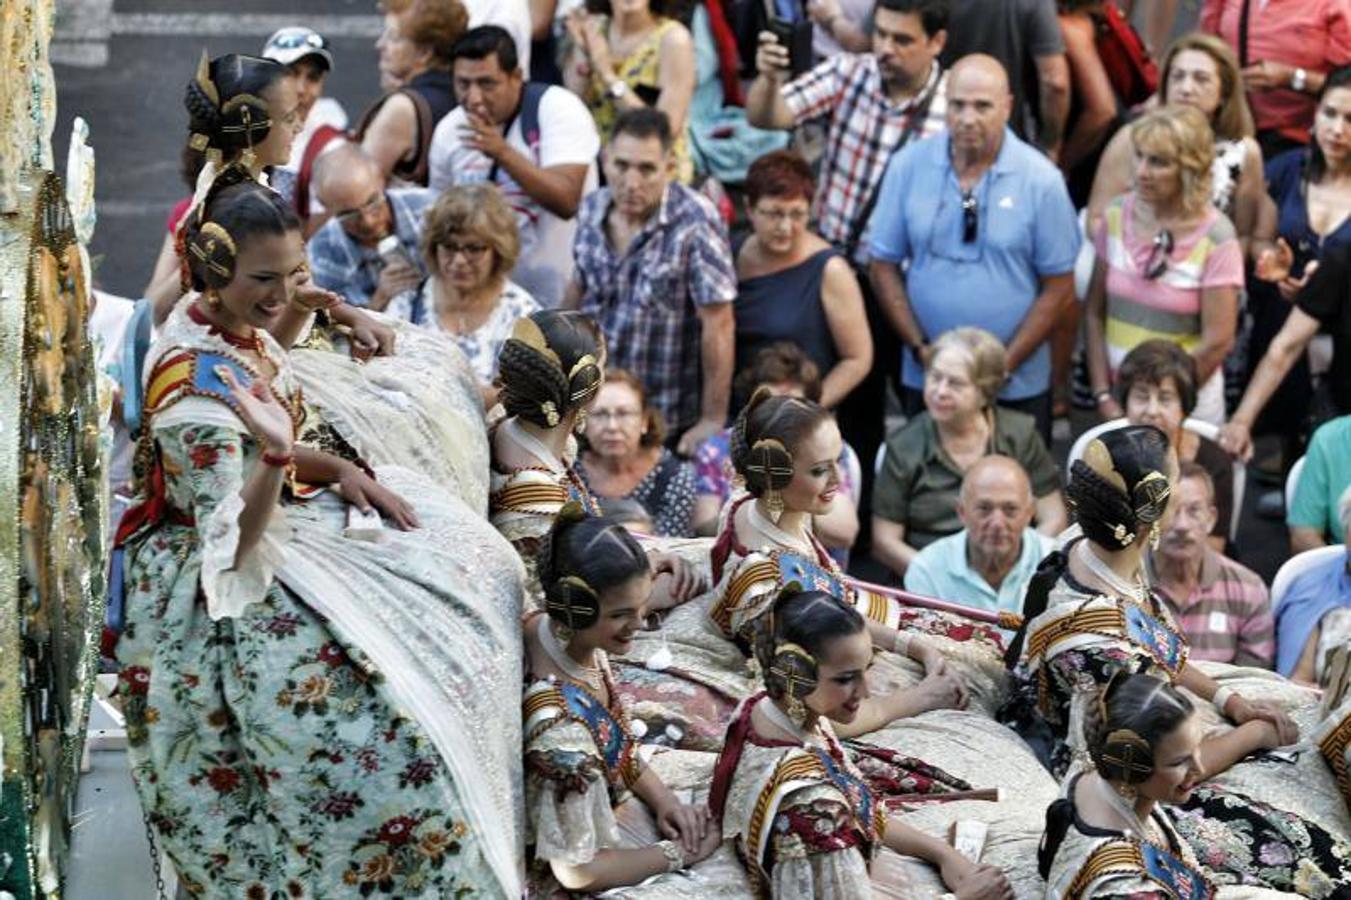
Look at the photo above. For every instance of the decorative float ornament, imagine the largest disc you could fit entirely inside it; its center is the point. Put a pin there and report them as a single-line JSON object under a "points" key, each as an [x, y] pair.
{"points": [[52, 533]]}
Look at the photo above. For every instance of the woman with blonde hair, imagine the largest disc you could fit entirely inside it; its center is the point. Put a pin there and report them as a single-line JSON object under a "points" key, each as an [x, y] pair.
{"points": [[1169, 264], [915, 497], [470, 245], [1199, 71]]}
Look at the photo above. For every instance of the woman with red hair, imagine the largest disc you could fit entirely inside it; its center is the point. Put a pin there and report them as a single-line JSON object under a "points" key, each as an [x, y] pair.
{"points": [[793, 286]]}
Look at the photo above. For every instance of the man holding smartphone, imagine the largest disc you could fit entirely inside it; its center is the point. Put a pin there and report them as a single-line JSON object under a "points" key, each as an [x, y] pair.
{"points": [[873, 104], [868, 101]]}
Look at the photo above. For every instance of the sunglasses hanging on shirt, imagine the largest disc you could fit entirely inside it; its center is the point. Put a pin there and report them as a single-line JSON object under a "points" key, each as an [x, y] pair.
{"points": [[970, 217], [1158, 254]]}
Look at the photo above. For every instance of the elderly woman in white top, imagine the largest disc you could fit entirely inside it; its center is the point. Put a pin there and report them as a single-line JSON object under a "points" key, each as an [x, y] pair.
{"points": [[470, 245]]}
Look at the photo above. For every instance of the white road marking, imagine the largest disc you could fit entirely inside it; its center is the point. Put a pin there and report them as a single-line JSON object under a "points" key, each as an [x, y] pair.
{"points": [[84, 28]]}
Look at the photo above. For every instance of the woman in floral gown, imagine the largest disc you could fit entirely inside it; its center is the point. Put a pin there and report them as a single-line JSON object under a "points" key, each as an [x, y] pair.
{"points": [[1091, 616], [308, 715], [806, 821]]}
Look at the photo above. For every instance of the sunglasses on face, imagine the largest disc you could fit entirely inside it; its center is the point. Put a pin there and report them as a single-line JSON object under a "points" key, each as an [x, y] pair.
{"points": [[970, 218], [1157, 263]]}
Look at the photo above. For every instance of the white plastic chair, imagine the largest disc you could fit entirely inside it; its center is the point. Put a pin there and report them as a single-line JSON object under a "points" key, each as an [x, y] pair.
{"points": [[1291, 483], [855, 474], [1297, 565], [1204, 429]]}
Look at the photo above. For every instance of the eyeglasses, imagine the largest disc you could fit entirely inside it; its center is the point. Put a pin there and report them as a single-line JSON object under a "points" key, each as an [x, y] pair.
{"points": [[618, 416], [470, 251], [1157, 263], [970, 218], [370, 207], [795, 216]]}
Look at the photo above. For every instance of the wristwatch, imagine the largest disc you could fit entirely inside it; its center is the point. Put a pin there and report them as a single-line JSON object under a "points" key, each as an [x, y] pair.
{"points": [[1299, 80], [617, 89]]}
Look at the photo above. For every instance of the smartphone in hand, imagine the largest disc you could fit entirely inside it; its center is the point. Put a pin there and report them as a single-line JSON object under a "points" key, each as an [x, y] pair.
{"points": [[796, 38]]}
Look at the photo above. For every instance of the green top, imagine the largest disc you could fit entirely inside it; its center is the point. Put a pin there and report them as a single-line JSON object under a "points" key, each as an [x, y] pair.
{"points": [[1326, 474], [919, 482]]}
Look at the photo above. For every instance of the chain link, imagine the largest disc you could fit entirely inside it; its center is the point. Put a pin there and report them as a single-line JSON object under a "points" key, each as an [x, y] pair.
{"points": [[154, 857]]}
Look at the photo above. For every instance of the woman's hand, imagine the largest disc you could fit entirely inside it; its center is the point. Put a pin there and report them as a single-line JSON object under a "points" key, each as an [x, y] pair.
{"points": [[365, 493], [686, 582], [687, 824], [309, 297], [369, 336], [927, 655], [944, 691], [1267, 76], [1109, 408], [1244, 710], [1236, 440], [269, 421], [1273, 263], [969, 881]]}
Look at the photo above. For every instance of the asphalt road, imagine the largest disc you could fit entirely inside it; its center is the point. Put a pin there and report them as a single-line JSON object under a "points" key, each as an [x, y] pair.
{"points": [[123, 65]]}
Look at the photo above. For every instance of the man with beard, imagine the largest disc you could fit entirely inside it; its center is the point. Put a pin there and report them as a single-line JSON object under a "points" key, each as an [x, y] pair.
{"points": [[1223, 608]]}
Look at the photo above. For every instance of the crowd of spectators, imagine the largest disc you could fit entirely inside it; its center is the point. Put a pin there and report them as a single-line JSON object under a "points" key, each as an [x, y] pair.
{"points": [[955, 224]]}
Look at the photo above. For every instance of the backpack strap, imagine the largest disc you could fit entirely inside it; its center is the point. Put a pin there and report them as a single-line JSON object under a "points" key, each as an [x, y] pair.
{"points": [[417, 168], [322, 137], [528, 112]]}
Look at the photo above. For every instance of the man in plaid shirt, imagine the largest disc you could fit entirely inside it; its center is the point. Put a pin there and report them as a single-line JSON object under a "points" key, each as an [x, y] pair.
{"points": [[869, 101], [1223, 608], [654, 269]]}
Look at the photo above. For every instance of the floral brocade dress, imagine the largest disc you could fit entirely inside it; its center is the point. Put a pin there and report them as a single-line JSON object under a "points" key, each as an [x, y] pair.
{"points": [[311, 721], [1265, 821]]}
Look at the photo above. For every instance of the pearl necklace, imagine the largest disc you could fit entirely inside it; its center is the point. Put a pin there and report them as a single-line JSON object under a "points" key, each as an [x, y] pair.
{"points": [[777, 534], [591, 677], [1125, 811], [533, 445], [1131, 590], [782, 722]]}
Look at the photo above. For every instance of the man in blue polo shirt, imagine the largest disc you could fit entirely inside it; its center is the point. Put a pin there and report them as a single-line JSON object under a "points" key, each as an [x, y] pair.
{"points": [[985, 230], [989, 563]]}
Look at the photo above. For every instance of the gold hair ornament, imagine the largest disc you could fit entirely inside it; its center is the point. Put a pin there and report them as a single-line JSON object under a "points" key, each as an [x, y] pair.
{"points": [[203, 247]]}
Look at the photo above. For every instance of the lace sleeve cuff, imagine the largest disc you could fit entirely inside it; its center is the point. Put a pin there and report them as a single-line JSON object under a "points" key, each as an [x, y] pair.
{"points": [[568, 807], [230, 588]]}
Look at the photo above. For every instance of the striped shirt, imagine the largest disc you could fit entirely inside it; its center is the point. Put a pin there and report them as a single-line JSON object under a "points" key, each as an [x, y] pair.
{"points": [[1227, 617], [864, 128], [1169, 306]]}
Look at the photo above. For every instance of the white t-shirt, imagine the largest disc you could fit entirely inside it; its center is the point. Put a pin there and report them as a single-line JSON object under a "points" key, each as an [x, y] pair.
{"points": [[567, 136], [513, 15]]}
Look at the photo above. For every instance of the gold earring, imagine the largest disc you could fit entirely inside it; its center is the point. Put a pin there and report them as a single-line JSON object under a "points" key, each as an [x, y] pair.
{"points": [[796, 709], [774, 501], [565, 634], [579, 426], [1154, 534], [212, 298]]}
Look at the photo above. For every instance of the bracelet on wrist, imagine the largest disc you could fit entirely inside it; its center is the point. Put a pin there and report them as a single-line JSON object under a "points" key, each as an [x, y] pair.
{"points": [[1223, 695], [675, 857], [901, 642], [1100, 396], [280, 460]]}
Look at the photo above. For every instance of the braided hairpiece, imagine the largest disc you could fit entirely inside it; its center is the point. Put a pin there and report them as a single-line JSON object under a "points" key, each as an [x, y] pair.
{"points": [[1123, 756], [1143, 504]]}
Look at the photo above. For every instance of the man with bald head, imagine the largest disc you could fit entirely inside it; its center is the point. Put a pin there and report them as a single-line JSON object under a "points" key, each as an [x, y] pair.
{"points": [[989, 563], [984, 227], [343, 254]]}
